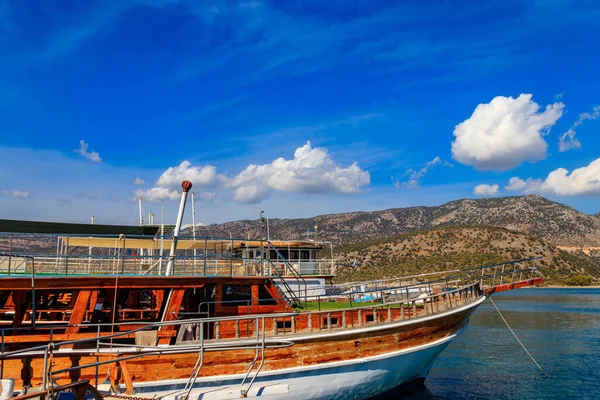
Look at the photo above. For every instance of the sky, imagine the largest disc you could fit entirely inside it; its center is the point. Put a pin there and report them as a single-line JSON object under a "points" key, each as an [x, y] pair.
{"points": [[292, 107]]}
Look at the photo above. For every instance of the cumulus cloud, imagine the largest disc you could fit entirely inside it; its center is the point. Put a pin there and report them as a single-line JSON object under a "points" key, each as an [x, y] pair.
{"points": [[310, 171], [168, 185], [157, 194], [138, 181], [198, 175], [16, 193], [568, 141], [581, 181], [486, 190], [83, 151], [414, 176], [504, 133]]}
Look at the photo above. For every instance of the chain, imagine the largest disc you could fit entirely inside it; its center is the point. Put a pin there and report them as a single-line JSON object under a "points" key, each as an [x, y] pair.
{"points": [[124, 396]]}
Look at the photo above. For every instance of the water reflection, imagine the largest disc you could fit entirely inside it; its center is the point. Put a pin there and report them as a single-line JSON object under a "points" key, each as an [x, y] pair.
{"points": [[560, 327]]}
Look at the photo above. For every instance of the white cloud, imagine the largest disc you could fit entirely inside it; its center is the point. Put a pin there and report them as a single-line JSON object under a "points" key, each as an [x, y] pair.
{"points": [[168, 185], [310, 171], [568, 141], [82, 151], [486, 190], [581, 181], [173, 176], [16, 193], [138, 181], [157, 194], [504, 133], [414, 176]]}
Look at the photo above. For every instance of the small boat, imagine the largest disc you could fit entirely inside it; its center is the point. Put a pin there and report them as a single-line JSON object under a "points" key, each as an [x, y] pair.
{"points": [[113, 315]]}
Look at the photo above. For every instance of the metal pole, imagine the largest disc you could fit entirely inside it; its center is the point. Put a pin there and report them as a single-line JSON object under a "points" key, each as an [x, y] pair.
{"points": [[162, 240], [185, 186], [141, 211], [33, 293], [9, 252], [194, 227], [268, 232]]}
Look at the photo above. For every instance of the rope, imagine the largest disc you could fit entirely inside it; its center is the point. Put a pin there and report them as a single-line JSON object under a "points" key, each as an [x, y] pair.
{"points": [[515, 335]]}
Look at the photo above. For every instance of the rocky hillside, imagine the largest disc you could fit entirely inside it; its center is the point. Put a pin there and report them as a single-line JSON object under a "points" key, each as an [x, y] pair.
{"points": [[533, 214], [449, 248]]}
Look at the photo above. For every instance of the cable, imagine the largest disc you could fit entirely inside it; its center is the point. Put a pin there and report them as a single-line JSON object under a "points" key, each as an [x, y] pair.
{"points": [[515, 335]]}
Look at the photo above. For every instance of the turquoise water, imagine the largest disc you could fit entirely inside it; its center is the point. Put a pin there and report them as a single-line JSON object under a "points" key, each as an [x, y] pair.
{"points": [[559, 327]]}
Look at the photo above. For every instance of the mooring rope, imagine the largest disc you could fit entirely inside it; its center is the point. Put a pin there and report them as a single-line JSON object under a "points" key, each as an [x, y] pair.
{"points": [[516, 337]]}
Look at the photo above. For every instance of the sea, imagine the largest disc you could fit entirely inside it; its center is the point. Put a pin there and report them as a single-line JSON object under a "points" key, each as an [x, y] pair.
{"points": [[559, 327]]}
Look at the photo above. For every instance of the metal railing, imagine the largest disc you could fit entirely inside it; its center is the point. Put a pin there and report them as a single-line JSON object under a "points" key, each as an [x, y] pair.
{"points": [[385, 305], [105, 343]]}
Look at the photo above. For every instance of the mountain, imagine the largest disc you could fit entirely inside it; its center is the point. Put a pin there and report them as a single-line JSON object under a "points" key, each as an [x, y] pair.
{"points": [[458, 247], [533, 214]]}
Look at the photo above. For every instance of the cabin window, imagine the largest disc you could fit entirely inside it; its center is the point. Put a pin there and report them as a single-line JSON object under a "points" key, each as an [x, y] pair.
{"points": [[284, 253], [284, 325], [304, 255], [293, 254], [237, 295], [264, 297]]}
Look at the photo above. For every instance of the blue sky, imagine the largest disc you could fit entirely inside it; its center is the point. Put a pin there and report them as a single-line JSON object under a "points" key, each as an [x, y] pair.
{"points": [[298, 108]]}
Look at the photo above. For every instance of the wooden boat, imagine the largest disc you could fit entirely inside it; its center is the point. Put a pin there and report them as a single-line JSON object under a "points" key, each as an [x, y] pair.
{"points": [[221, 323]]}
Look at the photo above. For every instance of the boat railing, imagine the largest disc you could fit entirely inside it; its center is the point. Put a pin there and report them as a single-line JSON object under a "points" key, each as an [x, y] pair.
{"points": [[191, 337], [485, 277], [79, 264], [389, 305], [489, 274]]}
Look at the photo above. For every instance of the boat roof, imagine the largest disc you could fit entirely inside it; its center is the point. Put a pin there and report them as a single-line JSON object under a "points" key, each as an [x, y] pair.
{"points": [[183, 244], [18, 226]]}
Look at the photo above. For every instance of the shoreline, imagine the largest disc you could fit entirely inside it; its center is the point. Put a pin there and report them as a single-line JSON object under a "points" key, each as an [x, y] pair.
{"points": [[567, 287]]}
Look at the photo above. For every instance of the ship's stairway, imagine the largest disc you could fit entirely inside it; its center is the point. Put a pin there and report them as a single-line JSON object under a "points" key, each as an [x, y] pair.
{"points": [[286, 275]]}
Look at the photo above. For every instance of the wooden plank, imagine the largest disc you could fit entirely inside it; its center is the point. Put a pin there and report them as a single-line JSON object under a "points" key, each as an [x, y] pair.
{"points": [[79, 310], [21, 300], [127, 378], [93, 300], [510, 286], [255, 295], [171, 311], [60, 337], [276, 295], [124, 282]]}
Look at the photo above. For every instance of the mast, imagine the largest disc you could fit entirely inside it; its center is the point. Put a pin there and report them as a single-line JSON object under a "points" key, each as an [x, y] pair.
{"points": [[141, 211], [185, 186], [194, 224]]}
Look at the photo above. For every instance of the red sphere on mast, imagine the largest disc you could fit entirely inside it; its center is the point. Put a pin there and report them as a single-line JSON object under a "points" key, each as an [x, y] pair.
{"points": [[186, 186]]}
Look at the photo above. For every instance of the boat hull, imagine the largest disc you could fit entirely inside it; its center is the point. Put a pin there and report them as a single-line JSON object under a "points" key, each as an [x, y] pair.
{"points": [[356, 379], [351, 363]]}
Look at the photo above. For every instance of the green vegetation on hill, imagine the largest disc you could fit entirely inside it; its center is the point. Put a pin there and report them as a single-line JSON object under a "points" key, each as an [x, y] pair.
{"points": [[457, 247]]}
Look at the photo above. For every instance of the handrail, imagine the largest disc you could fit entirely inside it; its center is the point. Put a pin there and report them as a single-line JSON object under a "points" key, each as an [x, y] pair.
{"points": [[295, 274], [290, 297], [147, 326]]}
